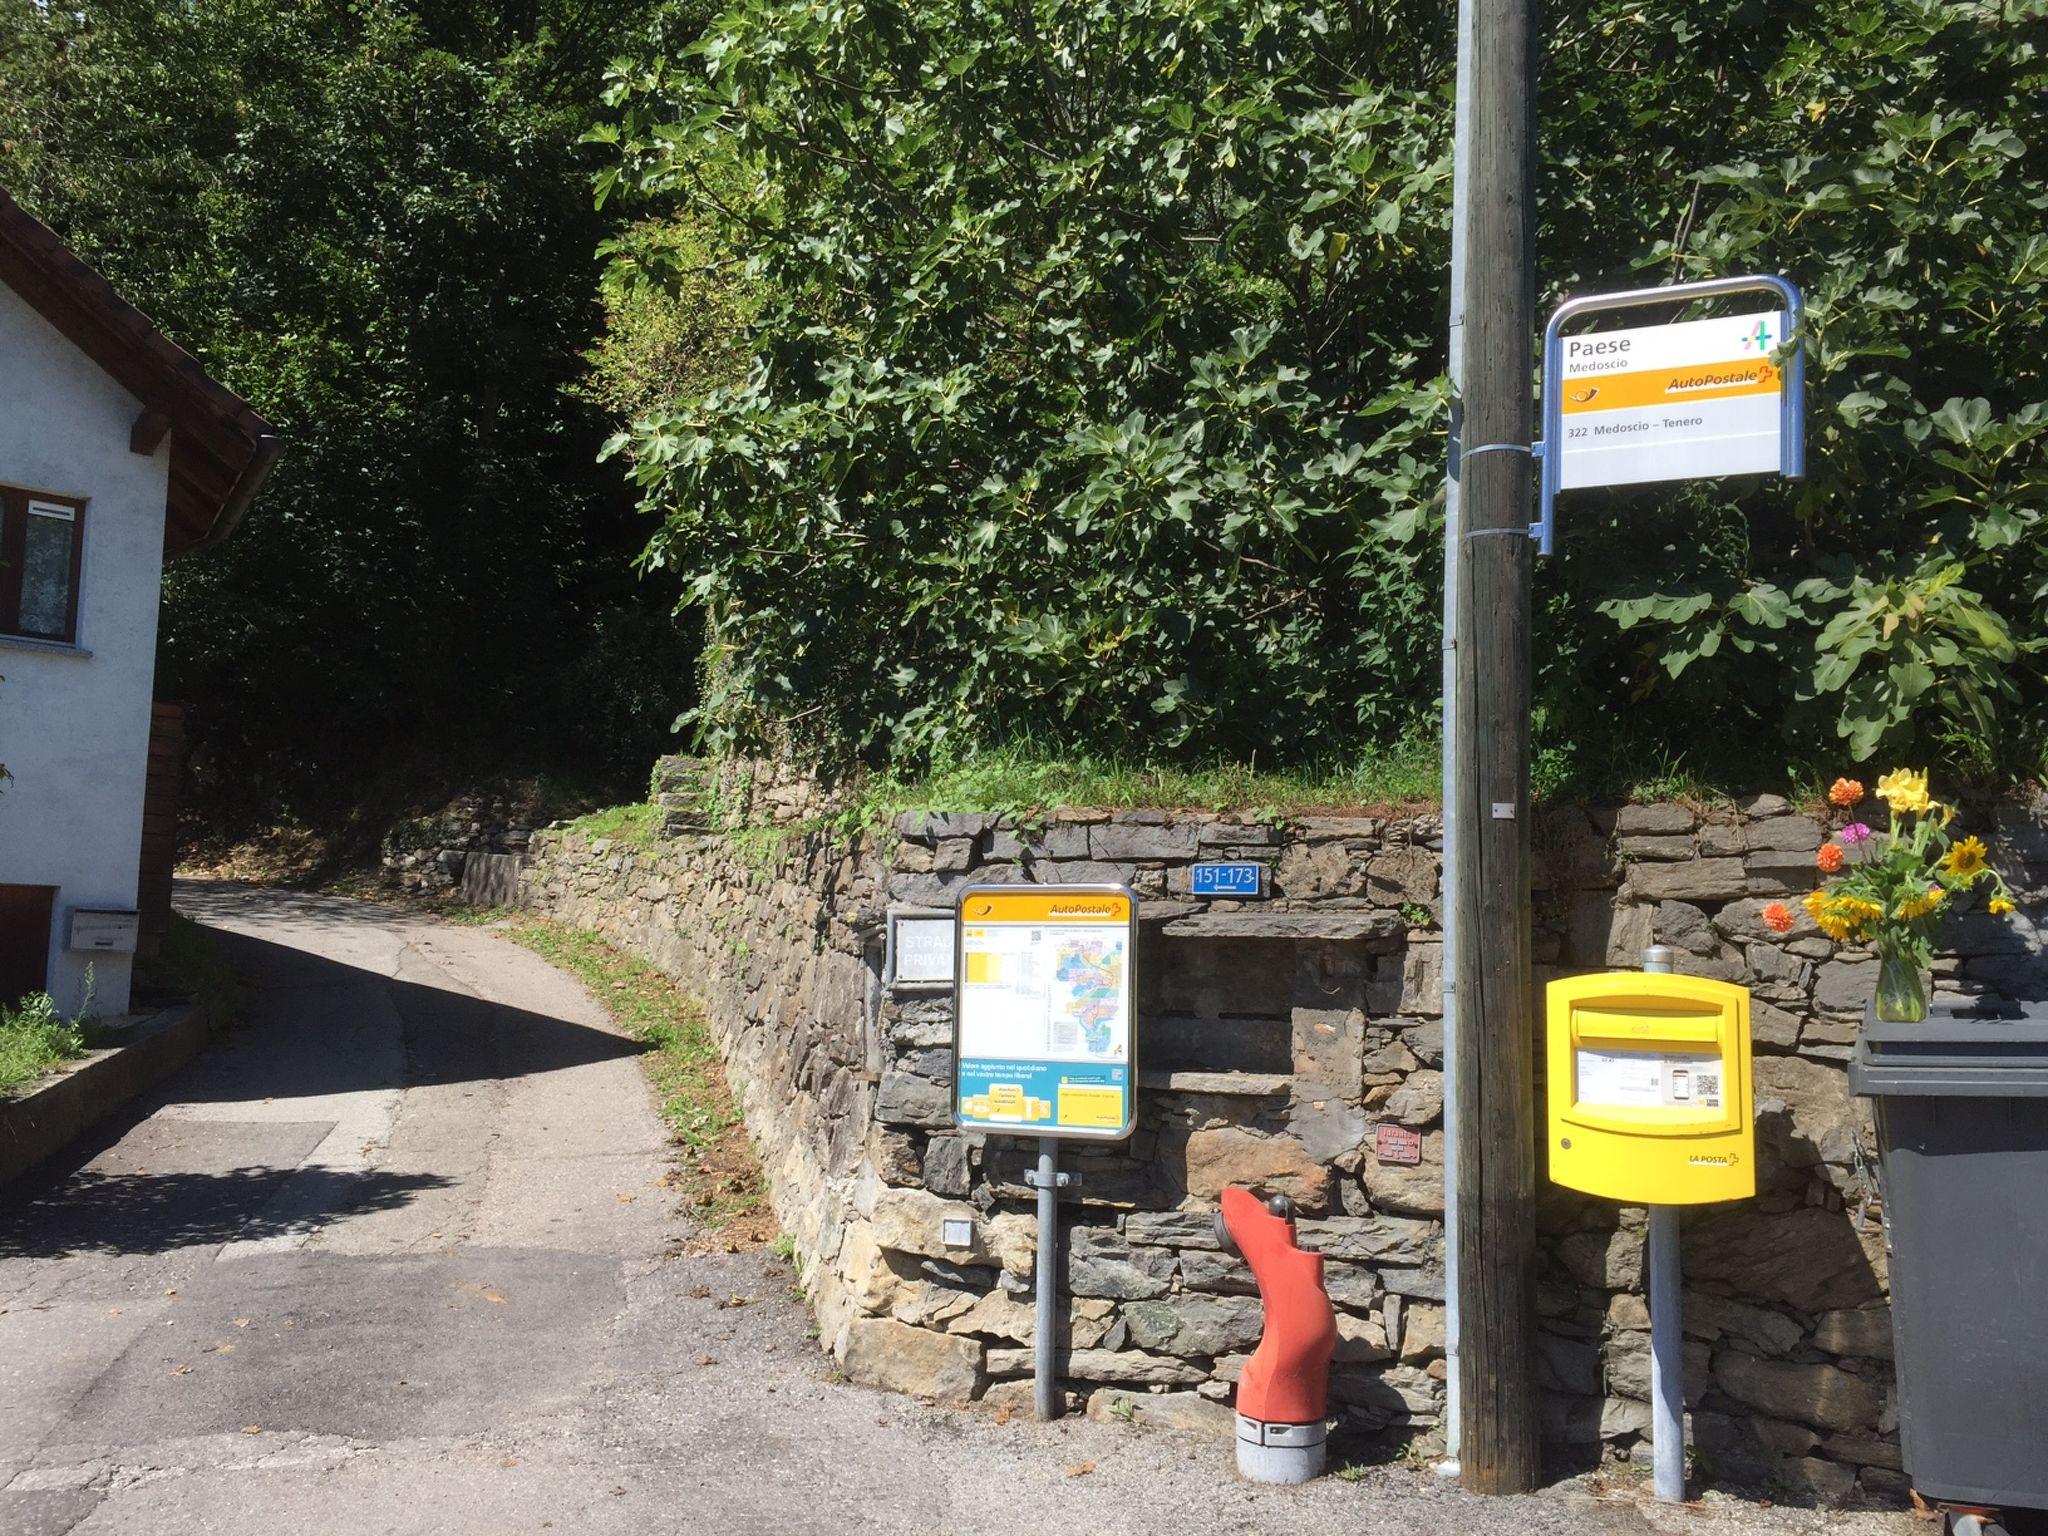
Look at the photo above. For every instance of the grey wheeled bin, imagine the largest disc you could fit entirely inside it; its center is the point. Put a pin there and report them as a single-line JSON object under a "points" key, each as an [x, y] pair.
{"points": [[1961, 1102]]}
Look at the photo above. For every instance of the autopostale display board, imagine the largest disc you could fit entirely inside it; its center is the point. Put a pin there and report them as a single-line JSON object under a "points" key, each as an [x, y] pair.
{"points": [[1042, 1015], [1702, 398]]}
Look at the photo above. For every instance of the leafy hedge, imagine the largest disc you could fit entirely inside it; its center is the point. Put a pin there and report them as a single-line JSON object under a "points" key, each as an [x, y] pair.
{"points": [[1096, 390]]}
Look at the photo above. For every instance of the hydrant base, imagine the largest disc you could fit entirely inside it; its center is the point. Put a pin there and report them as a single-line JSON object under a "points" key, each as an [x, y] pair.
{"points": [[1280, 1453]]}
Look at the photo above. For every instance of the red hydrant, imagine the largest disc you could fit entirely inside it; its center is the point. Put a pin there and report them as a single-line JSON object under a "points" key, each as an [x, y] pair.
{"points": [[1285, 1386]]}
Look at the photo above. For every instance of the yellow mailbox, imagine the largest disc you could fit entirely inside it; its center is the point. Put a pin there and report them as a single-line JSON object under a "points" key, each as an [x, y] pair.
{"points": [[1650, 1088]]}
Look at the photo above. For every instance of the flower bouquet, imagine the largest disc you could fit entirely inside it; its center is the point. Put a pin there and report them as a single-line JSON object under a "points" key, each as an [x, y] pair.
{"points": [[1894, 887]]}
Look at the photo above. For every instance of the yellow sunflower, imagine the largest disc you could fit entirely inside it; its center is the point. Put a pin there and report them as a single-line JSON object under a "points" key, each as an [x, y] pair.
{"points": [[2000, 905], [1904, 791], [1919, 906], [1965, 859]]}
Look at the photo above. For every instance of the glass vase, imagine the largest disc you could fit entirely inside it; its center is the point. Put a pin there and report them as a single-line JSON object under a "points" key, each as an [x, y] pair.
{"points": [[1901, 999]]}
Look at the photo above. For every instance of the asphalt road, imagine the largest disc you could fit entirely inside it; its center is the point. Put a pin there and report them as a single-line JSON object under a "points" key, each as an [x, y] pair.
{"points": [[397, 1255]]}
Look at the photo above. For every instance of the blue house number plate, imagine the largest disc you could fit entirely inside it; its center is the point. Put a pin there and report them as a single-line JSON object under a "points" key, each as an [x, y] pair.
{"points": [[1238, 880]]}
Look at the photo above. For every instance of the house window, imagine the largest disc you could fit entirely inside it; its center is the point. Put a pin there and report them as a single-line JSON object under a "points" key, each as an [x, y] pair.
{"points": [[41, 540]]}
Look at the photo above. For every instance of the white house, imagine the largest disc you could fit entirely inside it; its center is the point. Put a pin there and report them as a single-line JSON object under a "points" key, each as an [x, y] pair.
{"points": [[117, 452]]}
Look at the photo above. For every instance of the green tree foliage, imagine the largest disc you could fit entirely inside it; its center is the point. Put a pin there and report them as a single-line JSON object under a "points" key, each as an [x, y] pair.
{"points": [[1078, 392], [1892, 157], [373, 220], [1096, 390]]}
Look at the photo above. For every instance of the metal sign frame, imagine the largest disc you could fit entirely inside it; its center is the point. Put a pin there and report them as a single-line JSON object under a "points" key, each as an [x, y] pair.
{"points": [[1045, 1133], [1792, 401], [896, 916]]}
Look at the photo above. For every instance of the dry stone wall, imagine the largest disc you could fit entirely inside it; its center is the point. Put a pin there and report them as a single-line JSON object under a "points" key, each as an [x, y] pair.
{"points": [[1274, 1040]]}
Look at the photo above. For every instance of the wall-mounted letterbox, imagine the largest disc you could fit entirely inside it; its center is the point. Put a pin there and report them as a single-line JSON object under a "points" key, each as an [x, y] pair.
{"points": [[1650, 1088], [110, 930]]}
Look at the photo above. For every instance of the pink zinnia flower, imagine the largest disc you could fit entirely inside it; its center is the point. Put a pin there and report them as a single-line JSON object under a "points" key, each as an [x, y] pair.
{"points": [[1854, 833]]}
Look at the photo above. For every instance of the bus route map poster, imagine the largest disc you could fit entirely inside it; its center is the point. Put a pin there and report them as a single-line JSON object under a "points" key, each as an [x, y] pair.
{"points": [[1043, 1010]]}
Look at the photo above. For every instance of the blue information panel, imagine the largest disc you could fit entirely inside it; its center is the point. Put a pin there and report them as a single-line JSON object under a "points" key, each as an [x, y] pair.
{"points": [[1239, 880]]}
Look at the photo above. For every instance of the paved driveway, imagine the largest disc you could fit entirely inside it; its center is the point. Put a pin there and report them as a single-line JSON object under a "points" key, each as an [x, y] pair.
{"points": [[397, 1256]]}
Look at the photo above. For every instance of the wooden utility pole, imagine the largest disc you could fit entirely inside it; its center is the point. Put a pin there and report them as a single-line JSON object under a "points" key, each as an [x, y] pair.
{"points": [[1496, 1161]]}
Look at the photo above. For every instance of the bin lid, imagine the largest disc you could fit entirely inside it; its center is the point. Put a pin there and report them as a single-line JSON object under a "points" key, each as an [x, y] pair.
{"points": [[1968, 1048]]}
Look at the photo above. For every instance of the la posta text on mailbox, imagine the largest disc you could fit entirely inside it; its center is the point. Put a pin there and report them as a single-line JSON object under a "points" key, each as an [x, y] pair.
{"points": [[1650, 1088]]}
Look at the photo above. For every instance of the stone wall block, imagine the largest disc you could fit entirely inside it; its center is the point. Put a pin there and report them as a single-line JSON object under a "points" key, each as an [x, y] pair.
{"points": [[1204, 1270], [1087, 872], [1810, 1259], [1607, 1260], [1789, 874], [1402, 875], [1846, 986], [930, 826], [1066, 840], [1195, 1324], [1422, 980], [880, 1352], [1785, 834], [1866, 1332], [1656, 849], [1694, 880], [1101, 1262], [945, 1167], [1131, 1366], [1172, 1229], [1329, 1048], [1121, 840], [1273, 1165], [1743, 922], [1629, 933], [1682, 924], [1417, 1102], [1313, 871], [1823, 1396], [906, 1099], [1391, 1240], [1234, 834], [1661, 819], [1628, 1367]]}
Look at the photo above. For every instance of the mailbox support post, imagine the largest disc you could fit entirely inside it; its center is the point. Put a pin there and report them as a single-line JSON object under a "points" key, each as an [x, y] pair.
{"points": [[1667, 1356], [1667, 1322]]}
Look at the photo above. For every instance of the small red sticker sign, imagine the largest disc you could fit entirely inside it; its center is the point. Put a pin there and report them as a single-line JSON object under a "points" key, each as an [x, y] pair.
{"points": [[1397, 1144]]}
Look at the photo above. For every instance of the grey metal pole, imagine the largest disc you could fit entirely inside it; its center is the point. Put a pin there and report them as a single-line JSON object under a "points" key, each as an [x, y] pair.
{"points": [[1667, 1356], [1667, 1322], [1461, 192], [1044, 1393]]}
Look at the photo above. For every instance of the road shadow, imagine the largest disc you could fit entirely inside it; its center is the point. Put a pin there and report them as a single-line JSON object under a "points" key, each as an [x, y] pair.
{"points": [[83, 1210], [314, 1025]]}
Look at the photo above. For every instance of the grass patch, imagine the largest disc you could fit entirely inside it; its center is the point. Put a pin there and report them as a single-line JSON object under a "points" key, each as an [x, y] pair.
{"points": [[638, 824], [719, 1175], [34, 1039], [1017, 779]]}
